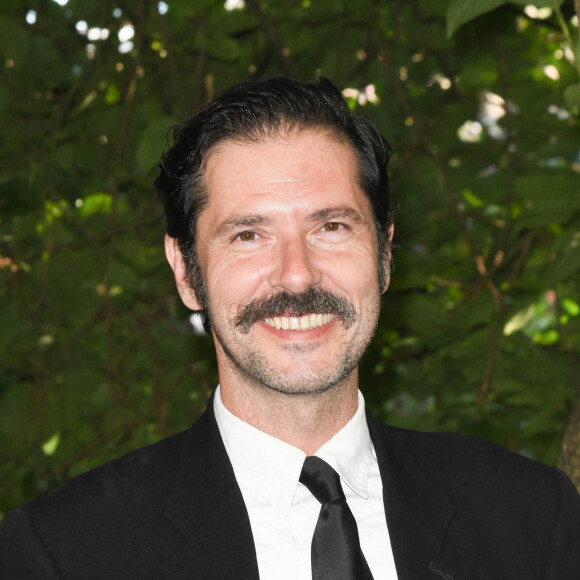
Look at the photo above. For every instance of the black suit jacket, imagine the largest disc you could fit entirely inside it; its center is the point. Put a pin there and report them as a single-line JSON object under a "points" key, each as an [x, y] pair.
{"points": [[457, 508]]}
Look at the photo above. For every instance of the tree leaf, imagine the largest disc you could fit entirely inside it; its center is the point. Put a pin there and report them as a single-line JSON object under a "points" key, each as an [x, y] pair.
{"points": [[540, 3], [572, 98], [14, 41], [152, 139], [547, 197], [460, 12]]}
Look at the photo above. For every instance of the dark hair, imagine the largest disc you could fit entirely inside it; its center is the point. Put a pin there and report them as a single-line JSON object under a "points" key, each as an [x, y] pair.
{"points": [[252, 113]]}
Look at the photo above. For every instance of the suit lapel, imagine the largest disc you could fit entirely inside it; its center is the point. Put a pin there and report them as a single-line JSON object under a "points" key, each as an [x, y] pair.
{"points": [[419, 514], [205, 504]]}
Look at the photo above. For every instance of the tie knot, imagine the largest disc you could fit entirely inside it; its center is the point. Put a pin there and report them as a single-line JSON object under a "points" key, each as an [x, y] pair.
{"points": [[322, 481]]}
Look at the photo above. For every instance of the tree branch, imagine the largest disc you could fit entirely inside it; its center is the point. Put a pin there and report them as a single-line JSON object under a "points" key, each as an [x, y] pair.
{"points": [[273, 37]]}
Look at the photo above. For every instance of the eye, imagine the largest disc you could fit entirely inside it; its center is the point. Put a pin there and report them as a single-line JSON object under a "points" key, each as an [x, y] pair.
{"points": [[246, 236], [332, 227]]}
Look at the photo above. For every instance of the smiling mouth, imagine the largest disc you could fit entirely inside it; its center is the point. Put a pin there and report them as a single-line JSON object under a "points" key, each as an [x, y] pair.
{"points": [[306, 322]]}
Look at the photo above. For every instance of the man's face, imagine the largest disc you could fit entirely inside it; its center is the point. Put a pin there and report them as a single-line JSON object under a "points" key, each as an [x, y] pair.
{"points": [[288, 252]]}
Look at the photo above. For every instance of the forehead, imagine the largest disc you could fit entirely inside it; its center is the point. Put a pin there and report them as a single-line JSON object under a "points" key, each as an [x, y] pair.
{"points": [[309, 167]]}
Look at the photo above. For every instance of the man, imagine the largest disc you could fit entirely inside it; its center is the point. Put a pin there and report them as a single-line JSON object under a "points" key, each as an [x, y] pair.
{"points": [[279, 231]]}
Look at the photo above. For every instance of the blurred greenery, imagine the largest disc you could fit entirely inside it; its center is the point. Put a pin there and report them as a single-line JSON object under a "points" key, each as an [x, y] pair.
{"points": [[480, 330]]}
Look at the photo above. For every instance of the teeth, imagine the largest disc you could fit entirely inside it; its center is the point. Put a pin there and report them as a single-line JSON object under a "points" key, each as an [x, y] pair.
{"points": [[306, 322]]}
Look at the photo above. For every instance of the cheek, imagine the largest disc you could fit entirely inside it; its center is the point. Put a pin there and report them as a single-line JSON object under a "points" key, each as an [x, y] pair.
{"points": [[236, 280], [356, 269]]}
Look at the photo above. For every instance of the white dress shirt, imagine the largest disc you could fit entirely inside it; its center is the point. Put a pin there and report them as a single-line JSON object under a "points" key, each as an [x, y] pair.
{"points": [[283, 513]]}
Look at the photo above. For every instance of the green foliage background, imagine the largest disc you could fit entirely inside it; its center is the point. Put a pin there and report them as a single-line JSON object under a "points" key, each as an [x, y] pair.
{"points": [[480, 331]]}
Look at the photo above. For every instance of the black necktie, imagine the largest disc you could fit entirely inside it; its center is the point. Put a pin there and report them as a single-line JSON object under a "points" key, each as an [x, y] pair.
{"points": [[336, 552]]}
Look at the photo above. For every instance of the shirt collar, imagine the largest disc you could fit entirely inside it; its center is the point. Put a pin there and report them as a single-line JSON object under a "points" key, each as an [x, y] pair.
{"points": [[262, 463], [271, 467], [350, 451]]}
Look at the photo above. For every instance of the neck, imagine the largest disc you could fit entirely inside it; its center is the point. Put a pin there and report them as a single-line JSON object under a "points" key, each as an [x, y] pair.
{"points": [[304, 421]]}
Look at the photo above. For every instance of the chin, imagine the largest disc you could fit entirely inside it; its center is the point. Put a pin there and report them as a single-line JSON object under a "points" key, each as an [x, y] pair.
{"points": [[310, 383]]}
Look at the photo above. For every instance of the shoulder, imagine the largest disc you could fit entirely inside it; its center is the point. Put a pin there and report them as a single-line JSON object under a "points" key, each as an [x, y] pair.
{"points": [[475, 470], [142, 476], [139, 476], [127, 515], [104, 512], [502, 503], [110, 518], [462, 456], [447, 449]]}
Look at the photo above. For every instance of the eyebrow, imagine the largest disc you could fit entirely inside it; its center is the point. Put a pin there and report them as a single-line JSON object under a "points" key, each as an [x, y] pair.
{"points": [[248, 221], [335, 213], [234, 223]]}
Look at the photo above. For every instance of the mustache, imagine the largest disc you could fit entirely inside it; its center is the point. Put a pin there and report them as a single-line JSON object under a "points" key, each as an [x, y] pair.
{"points": [[311, 301]]}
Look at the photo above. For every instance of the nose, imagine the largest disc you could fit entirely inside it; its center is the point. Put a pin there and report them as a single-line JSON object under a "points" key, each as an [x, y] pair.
{"points": [[295, 269]]}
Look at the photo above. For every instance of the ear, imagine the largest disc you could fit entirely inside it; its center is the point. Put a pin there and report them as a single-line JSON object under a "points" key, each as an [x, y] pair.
{"points": [[387, 258], [177, 264]]}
